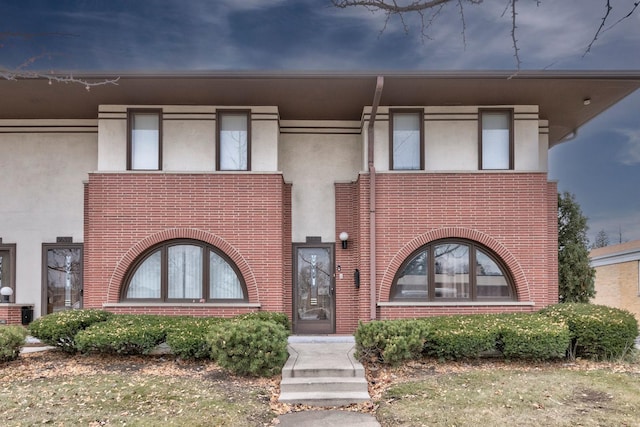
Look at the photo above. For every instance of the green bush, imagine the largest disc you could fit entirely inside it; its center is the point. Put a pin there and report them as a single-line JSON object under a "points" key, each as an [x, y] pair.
{"points": [[531, 336], [59, 329], [249, 346], [273, 316], [126, 334], [523, 336], [390, 341], [11, 340], [188, 337], [597, 332], [460, 337]]}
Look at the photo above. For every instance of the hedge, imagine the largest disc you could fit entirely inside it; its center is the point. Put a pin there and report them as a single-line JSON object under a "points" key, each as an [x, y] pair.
{"points": [[597, 331], [59, 329], [249, 346], [522, 336], [11, 341], [125, 334]]}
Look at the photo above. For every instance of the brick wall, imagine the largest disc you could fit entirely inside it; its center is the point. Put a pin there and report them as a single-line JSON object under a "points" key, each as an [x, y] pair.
{"points": [[347, 295], [248, 216], [241, 214], [11, 314], [617, 285], [514, 214]]}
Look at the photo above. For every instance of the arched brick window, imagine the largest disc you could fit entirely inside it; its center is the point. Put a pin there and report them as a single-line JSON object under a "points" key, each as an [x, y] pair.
{"points": [[453, 270], [183, 270]]}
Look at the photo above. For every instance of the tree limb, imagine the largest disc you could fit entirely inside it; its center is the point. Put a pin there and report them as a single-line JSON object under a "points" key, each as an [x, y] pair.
{"points": [[602, 29], [22, 71]]}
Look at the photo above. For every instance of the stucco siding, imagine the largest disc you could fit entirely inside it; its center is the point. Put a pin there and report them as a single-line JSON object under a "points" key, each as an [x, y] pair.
{"points": [[314, 163], [42, 194]]}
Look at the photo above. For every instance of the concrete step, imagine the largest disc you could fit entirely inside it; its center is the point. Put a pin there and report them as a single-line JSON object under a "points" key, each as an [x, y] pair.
{"points": [[291, 372], [333, 384], [324, 398], [322, 371]]}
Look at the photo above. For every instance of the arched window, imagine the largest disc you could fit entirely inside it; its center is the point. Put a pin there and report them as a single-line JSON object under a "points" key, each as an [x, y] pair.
{"points": [[452, 270], [184, 270]]}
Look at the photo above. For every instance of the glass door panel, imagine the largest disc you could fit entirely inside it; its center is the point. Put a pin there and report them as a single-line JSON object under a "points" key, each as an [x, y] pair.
{"points": [[63, 275], [314, 301]]}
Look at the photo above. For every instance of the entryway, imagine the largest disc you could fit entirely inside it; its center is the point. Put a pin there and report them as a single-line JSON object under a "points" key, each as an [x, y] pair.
{"points": [[61, 277], [314, 304]]}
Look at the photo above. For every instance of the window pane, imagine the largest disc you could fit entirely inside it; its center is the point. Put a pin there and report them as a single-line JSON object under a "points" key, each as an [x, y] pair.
{"points": [[496, 131], [490, 279], [145, 282], [185, 271], [452, 270], [223, 281], [412, 280], [145, 141], [233, 141], [64, 279], [406, 141]]}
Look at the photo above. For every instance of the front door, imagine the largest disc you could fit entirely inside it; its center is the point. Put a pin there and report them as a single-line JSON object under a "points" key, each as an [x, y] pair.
{"points": [[314, 304], [62, 277]]}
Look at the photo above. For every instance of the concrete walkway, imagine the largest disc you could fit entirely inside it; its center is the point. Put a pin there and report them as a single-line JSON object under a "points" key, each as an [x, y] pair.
{"points": [[324, 418], [332, 357]]}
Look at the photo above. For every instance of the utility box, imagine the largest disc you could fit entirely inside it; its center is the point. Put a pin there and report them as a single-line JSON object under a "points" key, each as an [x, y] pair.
{"points": [[27, 314]]}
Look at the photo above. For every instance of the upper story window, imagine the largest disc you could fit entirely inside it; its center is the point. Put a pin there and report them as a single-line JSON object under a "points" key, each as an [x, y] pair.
{"points": [[496, 139], [8, 268], [145, 140], [406, 140], [233, 151], [180, 270], [452, 270]]}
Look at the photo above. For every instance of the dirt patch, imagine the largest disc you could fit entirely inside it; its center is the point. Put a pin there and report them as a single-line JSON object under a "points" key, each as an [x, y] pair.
{"points": [[592, 397]]}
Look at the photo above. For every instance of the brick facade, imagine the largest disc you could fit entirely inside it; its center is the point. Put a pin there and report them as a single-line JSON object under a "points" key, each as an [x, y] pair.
{"points": [[618, 285], [513, 214], [247, 216]]}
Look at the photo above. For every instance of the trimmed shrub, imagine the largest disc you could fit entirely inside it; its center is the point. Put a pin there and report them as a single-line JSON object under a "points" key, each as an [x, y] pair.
{"points": [[11, 341], [523, 336], [249, 346], [188, 338], [273, 316], [59, 329], [460, 337], [390, 341], [125, 334], [531, 336], [597, 331]]}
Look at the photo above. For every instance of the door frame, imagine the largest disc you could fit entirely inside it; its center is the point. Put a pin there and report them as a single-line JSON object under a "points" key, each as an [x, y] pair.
{"points": [[308, 327], [45, 285]]}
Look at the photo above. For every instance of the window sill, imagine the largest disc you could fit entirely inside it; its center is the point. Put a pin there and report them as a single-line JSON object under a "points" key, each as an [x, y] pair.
{"points": [[457, 304], [183, 304]]}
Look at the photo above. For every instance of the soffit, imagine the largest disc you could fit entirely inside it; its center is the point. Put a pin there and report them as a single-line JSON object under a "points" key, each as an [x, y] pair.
{"points": [[328, 96]]}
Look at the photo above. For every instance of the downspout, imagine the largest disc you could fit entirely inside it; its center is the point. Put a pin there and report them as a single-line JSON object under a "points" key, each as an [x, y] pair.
{"points": [[372, 197]]}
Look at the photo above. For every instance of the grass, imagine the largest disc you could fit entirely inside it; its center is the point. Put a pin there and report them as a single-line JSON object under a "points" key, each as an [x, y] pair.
{"points": [[508, 397], [47, 389], [53, 388]]}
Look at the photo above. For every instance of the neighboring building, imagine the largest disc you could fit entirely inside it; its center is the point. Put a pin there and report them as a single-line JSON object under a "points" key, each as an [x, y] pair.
{"points": [[617, 281], [213, 194]]}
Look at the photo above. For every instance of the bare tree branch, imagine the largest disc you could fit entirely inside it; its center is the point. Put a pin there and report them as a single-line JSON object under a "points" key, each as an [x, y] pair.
{"points": [[603, 22], [23, 70], [420, 7], [516, 49]]}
